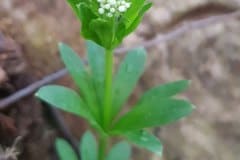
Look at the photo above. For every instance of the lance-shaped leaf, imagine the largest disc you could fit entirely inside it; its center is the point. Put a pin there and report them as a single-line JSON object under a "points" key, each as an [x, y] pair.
{"points": [[145, 140], [77, 70], [132, 13], [88, 147], [67, 100], [96, 61], [123, 30], [138, 19], [104, 30], [73, 4], [153, 112], [64, 99], [165, 90], [64, 150], [127, 76], [86, 16], [120, 151]]}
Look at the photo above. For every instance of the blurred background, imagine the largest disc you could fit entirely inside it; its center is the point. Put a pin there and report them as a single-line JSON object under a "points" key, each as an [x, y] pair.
{"points": [[209, 56]]}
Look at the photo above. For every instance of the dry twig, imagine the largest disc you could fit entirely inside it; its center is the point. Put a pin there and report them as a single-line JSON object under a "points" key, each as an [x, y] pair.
{"points": [[11, 153]]}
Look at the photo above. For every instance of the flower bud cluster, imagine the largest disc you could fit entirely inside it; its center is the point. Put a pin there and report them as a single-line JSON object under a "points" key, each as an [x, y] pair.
{"points": [[113, 7]]}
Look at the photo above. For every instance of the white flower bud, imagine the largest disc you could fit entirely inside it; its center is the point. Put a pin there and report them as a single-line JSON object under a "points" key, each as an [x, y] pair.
{"points": [[107, 6], [112, 2], [101, 11], [111, 8], [109, 14], [127, 5], [122, 8]]}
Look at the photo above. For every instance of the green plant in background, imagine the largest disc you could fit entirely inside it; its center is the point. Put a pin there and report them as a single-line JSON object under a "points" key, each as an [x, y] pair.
{"points": [[102, 95]]}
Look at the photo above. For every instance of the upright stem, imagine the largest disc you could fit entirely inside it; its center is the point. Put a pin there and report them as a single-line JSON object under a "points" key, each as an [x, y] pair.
{"points": [[108, 88], [103, 142]]}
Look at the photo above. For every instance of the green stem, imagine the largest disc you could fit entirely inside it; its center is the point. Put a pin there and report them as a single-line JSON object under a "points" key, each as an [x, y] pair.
{"points": [[103, 142], [108, 89]]}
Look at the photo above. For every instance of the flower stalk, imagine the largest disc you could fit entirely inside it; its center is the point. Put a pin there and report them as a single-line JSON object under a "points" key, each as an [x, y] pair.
{"points": [[103, 144]]}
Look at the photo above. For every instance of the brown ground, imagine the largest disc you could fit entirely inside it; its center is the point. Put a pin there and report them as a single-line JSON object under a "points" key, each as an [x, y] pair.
{"points": [[30, 30]]}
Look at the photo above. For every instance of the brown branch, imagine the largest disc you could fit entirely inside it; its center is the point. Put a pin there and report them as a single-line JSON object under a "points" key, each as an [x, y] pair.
{"points": [[2, 50], [30, 89], [173, 34]]}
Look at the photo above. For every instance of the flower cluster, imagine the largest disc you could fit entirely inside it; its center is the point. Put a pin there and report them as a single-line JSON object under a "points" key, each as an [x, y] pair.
{"points": [[107, 22], [112, 7]]}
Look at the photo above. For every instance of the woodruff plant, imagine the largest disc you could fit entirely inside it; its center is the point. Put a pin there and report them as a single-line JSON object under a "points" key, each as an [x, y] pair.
{"points": [[102, 95]]}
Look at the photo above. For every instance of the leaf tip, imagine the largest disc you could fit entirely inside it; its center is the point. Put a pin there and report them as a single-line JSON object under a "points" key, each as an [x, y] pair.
{"points": [[60, 45], [142, 49], [193, 107], [38, 93], [189, 82], [184, 83], [159, 153]]}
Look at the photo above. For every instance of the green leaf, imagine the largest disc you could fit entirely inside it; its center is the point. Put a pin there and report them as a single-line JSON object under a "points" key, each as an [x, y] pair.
{"points": [[86, 16], [120, 151], [165, 90], [123, 30], [64, 150], [96, 61], [138, 19], [153, 112], [133, 12], [73, 4], [127, 76], [64, 99], [104, 31], [88, 147], [96, 57], [145, 140], [77, 70]]}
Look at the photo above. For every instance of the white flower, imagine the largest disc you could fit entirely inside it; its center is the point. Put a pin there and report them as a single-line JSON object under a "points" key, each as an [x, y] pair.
{"points": [[111, 8], [109, 14], [101, 10], [122, 8], [127, 4], [112, 2], [107, 6]]}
